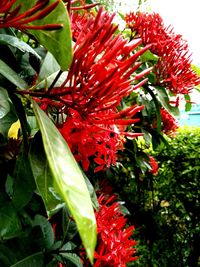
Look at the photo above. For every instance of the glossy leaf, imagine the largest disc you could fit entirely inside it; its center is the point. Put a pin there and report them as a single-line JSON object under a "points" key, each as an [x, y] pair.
{"points": [[9, 223], [58, 42], [4, 104], [68, 180], [12, 76], [17, 43], [35, 260], [43, 177]]}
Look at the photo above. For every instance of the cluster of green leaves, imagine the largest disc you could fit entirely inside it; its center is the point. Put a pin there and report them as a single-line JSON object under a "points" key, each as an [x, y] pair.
{"points": [[165, 208], [40, 179]]}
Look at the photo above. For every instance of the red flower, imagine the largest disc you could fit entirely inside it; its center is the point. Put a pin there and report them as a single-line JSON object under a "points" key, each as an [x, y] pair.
{"points": [[77, 23], [169, 123], [97, 80], [154, 165], [173, 69], [11, 17], [114, 247]]}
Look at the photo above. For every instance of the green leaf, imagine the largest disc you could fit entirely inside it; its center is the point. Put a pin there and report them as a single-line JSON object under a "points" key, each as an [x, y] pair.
{"points": [[58, 42], [43, 177], [49, 66], [188, 104], [15, 42], [148, 56], [68, 179], [7, 121], [12, 76], [154, 98], [91, 190], [48, 234], [71, 257], [4, 104], [35, 260], [9, 223], [23, 182], [164, 99]]}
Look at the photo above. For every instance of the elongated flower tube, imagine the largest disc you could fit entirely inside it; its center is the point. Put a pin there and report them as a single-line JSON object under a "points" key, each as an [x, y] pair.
{"points": [[11, 16], [101, 74], [173, 70]]}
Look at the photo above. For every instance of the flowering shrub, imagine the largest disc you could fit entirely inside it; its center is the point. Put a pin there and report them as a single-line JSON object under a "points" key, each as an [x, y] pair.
{"points": [[75, 91]]}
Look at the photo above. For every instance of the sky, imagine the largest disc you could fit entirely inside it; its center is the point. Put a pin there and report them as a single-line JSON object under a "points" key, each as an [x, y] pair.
{"points": [[183, 15]]}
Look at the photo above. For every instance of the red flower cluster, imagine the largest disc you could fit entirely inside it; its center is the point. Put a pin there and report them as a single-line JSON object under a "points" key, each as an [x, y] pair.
{"points": [[154, 165], [169, 123], [11, 17], [98, 79], [173, 69], [88, 140], [115, 248]]}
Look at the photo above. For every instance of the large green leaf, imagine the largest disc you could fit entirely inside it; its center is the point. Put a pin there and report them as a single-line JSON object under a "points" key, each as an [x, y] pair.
{"points": [[23, 182], [43, 177], [35, 260], [9, 223], [12, 76], [58, 42], [68, 179], [15, 42]]}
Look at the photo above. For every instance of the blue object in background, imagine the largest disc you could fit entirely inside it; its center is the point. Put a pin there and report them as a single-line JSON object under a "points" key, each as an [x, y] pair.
{"points": [[190, 118]]}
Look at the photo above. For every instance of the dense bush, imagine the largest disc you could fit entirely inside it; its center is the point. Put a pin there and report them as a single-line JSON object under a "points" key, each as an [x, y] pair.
{"points": [[165, 207]]}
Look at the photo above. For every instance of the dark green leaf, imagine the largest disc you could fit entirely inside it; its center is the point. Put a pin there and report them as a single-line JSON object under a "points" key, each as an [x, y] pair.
{"points": [[35, 260], [48, 235], [68, 179], [15, 42], [43, 177], [164, 99], [9, 223], [23, 184], [12, 76], [92, 192], [71, 257]]}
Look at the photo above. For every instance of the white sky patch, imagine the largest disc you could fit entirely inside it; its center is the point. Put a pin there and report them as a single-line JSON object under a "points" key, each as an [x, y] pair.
{"points": [[183, 15]]}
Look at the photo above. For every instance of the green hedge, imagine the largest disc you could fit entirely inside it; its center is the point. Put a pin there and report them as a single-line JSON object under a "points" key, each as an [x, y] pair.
{"points": [[165, 208]]}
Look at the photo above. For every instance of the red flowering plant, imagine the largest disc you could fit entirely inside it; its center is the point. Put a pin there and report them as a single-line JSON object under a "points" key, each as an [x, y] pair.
{"points": [[74, 95], [173, 75]]}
